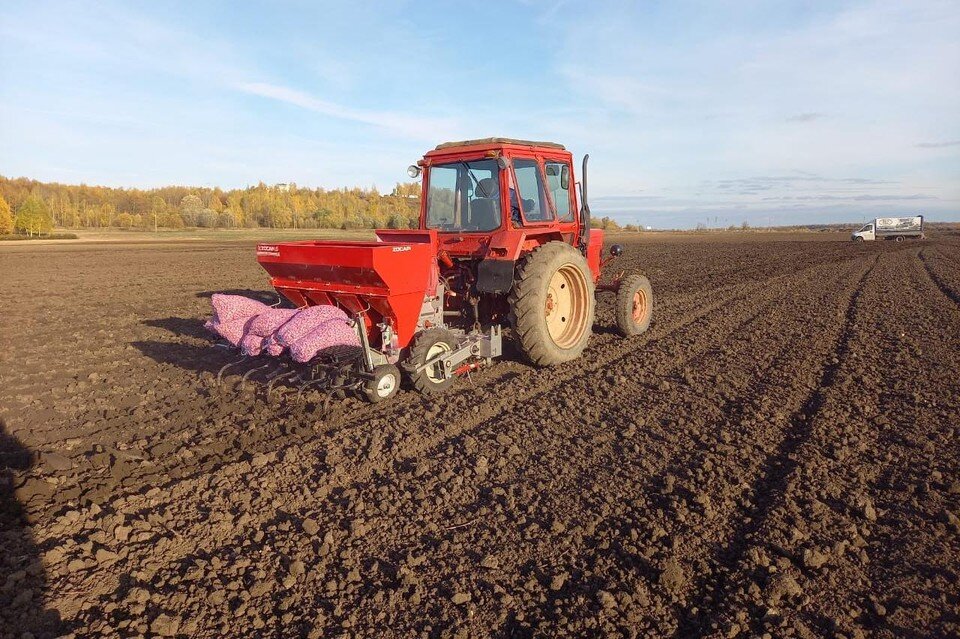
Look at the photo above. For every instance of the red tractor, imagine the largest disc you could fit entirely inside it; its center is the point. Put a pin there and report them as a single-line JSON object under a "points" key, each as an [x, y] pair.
{"points": [[504, 241]]}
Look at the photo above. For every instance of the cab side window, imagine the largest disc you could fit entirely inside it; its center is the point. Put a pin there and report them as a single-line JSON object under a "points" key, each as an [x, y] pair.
{"points": [[531, 191], [559, 192]]}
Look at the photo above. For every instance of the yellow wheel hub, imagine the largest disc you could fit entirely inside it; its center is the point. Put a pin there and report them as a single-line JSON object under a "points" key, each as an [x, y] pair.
{"points": [[566, 306]]}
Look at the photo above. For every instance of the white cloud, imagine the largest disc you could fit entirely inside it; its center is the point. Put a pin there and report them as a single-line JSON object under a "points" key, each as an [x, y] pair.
{"points": [[399, 123], [938, 145], [808, 116]]}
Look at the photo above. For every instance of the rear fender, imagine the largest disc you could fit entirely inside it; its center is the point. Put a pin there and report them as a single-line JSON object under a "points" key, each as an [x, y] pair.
{"points": [[495, 272], [513, 244]]}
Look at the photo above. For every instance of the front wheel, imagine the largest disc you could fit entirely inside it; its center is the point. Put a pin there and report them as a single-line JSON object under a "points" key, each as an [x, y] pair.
{"points": [[634, 305], [859, 240]]}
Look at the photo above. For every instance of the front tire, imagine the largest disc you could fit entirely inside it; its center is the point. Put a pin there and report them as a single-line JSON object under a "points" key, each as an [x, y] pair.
{"points": [[634, 305], [552, 304]]}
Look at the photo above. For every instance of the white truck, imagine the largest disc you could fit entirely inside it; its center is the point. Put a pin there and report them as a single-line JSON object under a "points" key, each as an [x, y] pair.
{"points": [[890, 228]]}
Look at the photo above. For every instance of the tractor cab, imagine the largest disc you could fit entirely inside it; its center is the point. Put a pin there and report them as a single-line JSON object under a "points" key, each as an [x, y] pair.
{"points": [[496, 198]]}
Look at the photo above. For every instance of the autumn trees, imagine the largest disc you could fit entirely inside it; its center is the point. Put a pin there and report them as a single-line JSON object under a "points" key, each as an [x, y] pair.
{"points": [[6, 217], [33, 217], [281, 206], [605, 223]]}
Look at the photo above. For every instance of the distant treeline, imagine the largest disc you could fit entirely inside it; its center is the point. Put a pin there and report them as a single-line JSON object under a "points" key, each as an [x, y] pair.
{"points": [[33, 207]]}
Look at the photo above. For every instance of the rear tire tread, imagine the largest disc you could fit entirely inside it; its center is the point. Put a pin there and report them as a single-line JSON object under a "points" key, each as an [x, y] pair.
{"points": [[526, 304]]}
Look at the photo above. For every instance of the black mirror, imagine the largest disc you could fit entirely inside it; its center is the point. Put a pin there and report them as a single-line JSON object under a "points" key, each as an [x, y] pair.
{"points": [[503, 163], [565, 178], [616, 250]]}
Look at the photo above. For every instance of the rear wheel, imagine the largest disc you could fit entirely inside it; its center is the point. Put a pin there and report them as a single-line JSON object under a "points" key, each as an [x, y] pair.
{"points": [[899, 238], [427, 346], [552, 304], [384, 385], [634, 305]]}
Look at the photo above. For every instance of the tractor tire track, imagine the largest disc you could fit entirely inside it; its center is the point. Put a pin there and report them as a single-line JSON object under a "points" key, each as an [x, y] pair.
{"points": [[948, 291], [699, 616], [922, 370], [846, 488]]}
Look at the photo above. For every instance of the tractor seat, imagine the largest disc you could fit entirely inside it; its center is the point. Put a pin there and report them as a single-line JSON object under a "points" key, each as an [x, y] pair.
{"points": [[485, 211], [487, 187]]}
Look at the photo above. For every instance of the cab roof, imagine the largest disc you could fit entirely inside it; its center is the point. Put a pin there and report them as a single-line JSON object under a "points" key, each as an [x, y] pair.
{"points": [[498, 142]]}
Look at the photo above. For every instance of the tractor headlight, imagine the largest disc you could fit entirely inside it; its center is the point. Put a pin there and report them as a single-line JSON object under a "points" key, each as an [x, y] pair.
{"points": [[413, 171]]}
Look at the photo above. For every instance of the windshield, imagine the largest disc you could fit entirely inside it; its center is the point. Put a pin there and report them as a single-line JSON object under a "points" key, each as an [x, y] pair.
{"points": [[867, 227], [464, 196]]}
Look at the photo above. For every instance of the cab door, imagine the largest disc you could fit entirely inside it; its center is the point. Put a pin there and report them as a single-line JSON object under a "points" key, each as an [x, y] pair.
{"points": [[542, 197], [561, 191]]}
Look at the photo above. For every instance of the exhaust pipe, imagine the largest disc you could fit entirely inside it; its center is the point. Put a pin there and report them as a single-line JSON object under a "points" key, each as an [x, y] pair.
{"points": [[584, 208]]}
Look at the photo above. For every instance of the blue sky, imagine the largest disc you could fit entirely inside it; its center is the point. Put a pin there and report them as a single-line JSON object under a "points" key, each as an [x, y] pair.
{"points": [[773, 113]]}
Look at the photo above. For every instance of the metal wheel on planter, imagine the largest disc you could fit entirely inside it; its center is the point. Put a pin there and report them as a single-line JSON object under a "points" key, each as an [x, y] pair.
{"points": [[384, 385], [428, 345], [552, 304], [634, 305]]}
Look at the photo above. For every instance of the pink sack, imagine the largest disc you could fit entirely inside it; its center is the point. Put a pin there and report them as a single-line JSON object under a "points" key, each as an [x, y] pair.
{"points": [[306, 320], [334, 332], [227, 308], [232, 331], [273, 347], [252, 345], [266, 323]]}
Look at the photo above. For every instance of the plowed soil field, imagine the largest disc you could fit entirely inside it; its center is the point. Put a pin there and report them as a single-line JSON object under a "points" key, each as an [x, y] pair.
{"points": [[777, 456]]}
